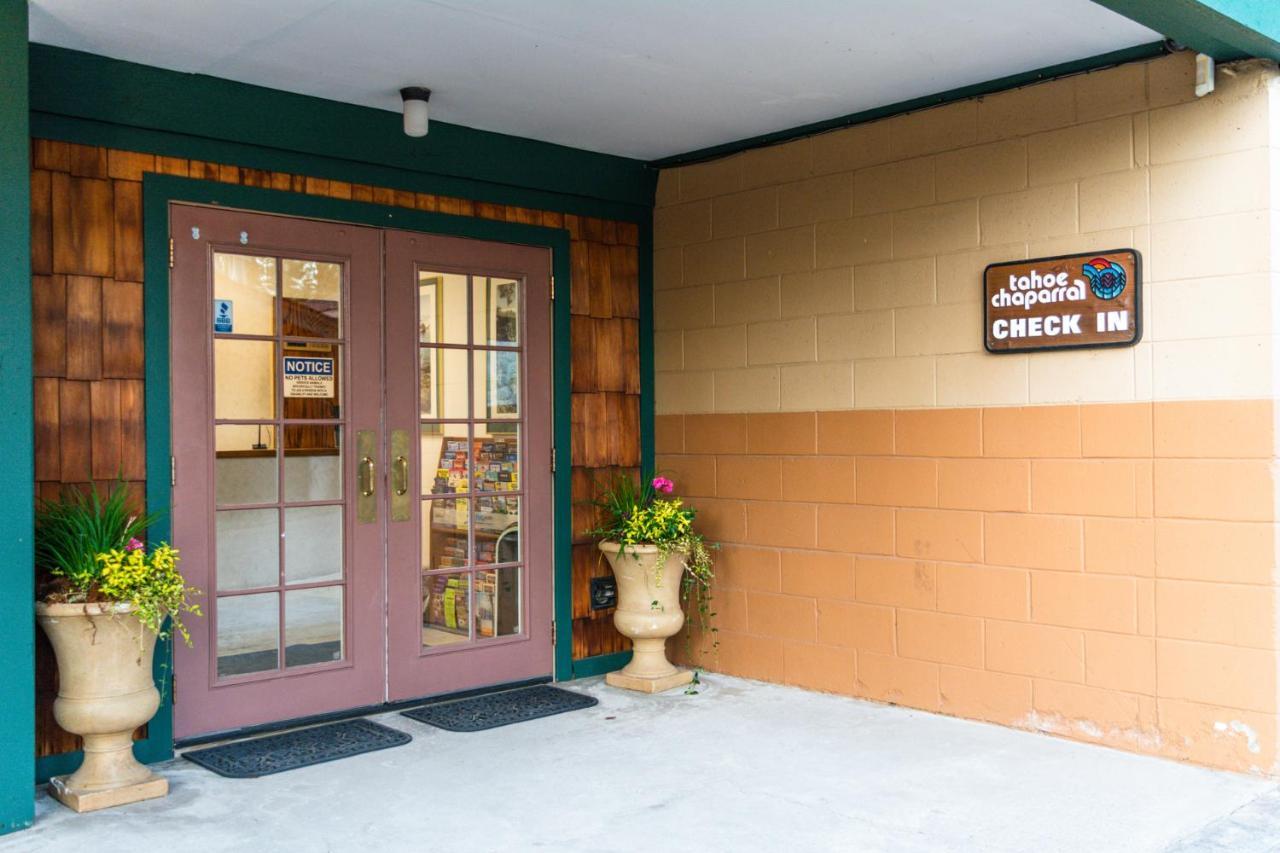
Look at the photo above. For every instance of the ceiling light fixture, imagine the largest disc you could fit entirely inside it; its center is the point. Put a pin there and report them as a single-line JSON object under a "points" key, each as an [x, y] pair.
{"points": [[415, 109]]}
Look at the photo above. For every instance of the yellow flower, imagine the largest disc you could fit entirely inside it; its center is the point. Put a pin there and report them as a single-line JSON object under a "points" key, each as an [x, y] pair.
{"points": [[663, 521], [151, 583]]}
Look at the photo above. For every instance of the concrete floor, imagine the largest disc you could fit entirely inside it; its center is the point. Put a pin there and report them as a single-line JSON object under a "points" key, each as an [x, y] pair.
{"points": [[741, 766]]}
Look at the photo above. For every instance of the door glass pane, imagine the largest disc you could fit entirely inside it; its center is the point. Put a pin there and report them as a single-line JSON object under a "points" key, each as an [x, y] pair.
{"points": [[248, 633], [313, 463], [435, 458], [244, 379], [497, 457], [442, 383], [497, 525], [312, 381], [445, 523], [244, 294], [497, 384], [248, 542], [289, 389], [444, 459], [312, 306], [245, 467], [445, 608], [476, 390], [312, 626], [497, 597], [496, 309], [442, 308], [312, 544]]}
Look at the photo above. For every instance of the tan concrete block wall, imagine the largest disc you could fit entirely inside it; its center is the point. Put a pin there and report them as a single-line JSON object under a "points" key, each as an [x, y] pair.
{"points": [[1080, 543], [876, 236], [1104, 572]]}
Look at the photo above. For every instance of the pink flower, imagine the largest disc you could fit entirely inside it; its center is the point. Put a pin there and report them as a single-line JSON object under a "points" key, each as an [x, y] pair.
{"points": [[134, 544], [663, 485]]}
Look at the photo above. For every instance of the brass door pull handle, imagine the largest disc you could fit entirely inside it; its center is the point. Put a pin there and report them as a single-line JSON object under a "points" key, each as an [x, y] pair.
{"points": [[400, 451], [400, 475], [367, 451]]}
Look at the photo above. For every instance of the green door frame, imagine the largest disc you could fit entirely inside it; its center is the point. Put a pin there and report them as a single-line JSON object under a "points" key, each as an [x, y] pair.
{"points": [[161, 190]]}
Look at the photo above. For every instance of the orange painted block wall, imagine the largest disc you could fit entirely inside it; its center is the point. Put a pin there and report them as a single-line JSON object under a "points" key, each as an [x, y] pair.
{"points": [[1081, 543], [1100, 571]]}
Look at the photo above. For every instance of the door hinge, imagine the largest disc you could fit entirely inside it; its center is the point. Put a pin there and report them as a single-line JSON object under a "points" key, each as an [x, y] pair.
{"points": [[553, 460], [553, 632], [173, 471], [553, 288], [170, 253]]}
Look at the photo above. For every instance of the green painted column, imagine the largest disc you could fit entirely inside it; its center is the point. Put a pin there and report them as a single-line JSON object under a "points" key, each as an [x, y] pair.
{"points": [[17, 478]]}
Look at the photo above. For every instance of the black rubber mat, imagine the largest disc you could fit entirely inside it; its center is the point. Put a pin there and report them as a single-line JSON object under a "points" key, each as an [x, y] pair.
{"points": [[492, 710], [246, 759]]}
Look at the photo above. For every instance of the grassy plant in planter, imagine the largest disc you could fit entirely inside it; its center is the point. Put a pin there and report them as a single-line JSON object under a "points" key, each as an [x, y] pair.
{"points": [[105, 598], [659, 560]]}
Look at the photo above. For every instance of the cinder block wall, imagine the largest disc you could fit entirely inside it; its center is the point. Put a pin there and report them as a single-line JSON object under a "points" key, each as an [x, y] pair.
{"points": [[1080, 543]]}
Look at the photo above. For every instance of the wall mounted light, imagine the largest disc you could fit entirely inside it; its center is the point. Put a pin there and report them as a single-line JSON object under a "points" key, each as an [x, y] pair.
{"points": [[415, 109]]}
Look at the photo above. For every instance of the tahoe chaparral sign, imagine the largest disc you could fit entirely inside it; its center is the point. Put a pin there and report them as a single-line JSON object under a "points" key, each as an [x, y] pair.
{"points": [[1088, 300]]}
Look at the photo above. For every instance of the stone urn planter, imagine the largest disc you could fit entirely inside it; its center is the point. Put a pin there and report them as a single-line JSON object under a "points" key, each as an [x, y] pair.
{"points": [[105, 692], [648, 612]]}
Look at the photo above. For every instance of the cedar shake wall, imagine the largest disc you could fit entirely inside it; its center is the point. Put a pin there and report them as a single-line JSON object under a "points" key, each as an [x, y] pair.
{"points": [[1080, 543], [87, 265]]}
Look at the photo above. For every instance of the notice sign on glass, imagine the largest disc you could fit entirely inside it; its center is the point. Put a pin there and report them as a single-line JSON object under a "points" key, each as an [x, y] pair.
{"points": [[1088, 300], [305, 376]]}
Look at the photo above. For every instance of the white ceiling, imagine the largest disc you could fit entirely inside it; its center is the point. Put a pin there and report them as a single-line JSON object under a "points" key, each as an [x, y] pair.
{"points": [[642, 79]]}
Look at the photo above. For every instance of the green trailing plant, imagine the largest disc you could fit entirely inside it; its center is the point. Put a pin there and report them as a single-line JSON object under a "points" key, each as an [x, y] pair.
{"points": [[90, 549], [634, 512], [692, 688]]}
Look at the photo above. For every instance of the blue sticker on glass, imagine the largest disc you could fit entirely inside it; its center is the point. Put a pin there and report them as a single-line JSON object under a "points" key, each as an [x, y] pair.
{"points": [[222, 322]]}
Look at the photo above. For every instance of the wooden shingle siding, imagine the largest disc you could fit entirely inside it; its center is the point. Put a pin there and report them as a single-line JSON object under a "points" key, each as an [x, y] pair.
{"points": [[87, 271]]}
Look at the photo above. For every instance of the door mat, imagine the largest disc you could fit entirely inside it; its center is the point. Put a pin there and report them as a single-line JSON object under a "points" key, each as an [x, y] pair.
{"points": [[500, 709], [263, 756]]}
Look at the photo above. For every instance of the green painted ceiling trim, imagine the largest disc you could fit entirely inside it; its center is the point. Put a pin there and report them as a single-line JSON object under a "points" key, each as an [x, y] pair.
{"points": [[17, 476], [1092, 63], [167, 144], [84, 85], [1224, 29]]}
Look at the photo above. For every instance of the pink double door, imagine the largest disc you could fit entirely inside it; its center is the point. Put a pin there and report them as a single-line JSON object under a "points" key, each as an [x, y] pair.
{"points": [[361, 438]]}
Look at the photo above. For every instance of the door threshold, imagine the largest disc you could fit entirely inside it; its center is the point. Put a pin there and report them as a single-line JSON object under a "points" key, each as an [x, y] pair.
{"points": [[351, 713]]}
